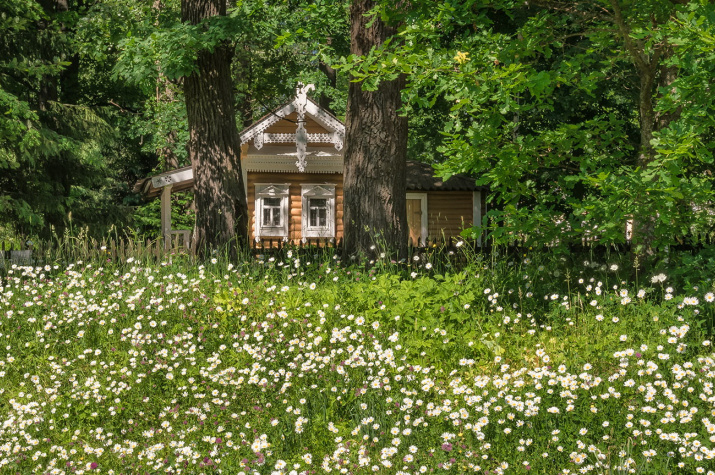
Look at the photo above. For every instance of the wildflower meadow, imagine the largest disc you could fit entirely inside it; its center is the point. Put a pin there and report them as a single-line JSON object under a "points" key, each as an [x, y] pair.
{"points": [[287, 364]]}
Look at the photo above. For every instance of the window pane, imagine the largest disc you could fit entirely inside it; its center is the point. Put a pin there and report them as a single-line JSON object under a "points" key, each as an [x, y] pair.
{"points": [[318, 212], [322, 217], [271, 212], [266, 216]]}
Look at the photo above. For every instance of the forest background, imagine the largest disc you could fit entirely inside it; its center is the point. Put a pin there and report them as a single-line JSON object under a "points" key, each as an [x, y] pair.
{"points": [[579, 115]]}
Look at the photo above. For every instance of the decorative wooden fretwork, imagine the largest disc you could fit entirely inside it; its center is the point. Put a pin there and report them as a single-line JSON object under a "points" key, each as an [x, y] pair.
{"points": [[302, 106], [289, 138], [261, 127]]}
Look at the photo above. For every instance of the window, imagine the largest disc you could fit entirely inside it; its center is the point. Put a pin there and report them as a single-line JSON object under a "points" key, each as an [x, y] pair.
{"points": [[272, 211], [318, 216]]}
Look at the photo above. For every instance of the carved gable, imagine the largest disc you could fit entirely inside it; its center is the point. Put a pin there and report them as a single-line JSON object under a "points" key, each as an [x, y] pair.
{"points": [[299, 129]]}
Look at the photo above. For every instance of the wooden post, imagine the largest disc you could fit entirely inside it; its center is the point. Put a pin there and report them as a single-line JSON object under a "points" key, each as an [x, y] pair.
{"points": [[166, 216]]}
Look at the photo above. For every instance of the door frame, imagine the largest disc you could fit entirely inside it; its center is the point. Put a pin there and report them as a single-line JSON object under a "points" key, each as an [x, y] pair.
{"points": [[423, 208]]}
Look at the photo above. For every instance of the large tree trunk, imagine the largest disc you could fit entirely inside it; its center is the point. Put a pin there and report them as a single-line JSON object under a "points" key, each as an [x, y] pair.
{"points": [[375, 215], [214, 143]]}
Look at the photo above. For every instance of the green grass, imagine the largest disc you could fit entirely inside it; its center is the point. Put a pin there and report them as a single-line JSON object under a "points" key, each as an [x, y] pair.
{"points": [[536, 365]]}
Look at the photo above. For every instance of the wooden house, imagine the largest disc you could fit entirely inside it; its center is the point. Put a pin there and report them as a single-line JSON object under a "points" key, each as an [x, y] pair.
{"points": [[292, 164]]}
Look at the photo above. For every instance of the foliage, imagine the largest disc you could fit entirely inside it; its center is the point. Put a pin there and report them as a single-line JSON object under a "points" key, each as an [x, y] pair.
{"points": [[545, 109], [540, 101], [147, 217], [59, 140], [113, 110], [267, 64]]}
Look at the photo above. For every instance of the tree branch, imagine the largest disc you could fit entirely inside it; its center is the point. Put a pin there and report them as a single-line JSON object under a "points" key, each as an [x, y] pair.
{"points": [[570, 7], [639, 57]]}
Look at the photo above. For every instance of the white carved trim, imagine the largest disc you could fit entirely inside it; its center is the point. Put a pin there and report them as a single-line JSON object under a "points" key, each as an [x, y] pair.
{"points": [[302, 105], [171, 178], [329, 122], [324, 119], [323, 190], [258, 140], [301, 98], [271, 190], [278, 138], [338, 140], [286, 164], [301, 135], [291, 138], [260, 127], [301, 145]]}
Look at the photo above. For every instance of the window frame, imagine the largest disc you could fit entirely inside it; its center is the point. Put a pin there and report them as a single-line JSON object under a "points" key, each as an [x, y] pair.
{"points": [[318, 191], [272, 190]]}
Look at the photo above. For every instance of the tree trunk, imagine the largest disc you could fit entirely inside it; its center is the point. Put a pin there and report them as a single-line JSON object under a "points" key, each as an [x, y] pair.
{"points": [[375, 215], [647, 67], [643, 225], [214, 143]]}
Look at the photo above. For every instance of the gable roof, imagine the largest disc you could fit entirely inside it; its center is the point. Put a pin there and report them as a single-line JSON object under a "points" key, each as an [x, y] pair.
{"points": [[312, 109], [420, 177], [328, 130], [325, 130]]}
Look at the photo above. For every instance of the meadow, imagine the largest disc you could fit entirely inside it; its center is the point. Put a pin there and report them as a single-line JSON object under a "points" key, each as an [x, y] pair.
{"points": [[299, 364]]}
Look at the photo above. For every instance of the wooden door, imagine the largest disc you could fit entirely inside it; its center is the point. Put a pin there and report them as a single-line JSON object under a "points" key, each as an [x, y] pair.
{"points": [[414, 220]]}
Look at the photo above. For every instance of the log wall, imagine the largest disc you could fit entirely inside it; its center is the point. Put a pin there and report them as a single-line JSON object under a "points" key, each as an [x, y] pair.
{"points": [[449, 212], [296, 180]]}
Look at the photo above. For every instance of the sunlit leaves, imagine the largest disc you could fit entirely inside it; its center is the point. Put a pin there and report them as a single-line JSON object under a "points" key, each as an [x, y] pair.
{"points": [[545, 109]]}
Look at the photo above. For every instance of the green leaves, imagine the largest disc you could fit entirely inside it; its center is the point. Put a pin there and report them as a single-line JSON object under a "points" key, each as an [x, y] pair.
{"points": [[544, 107]]}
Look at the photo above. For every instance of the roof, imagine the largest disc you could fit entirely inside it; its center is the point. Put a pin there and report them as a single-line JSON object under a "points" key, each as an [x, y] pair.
{"points": [[277, 157], [420, 177], [282, 111], [182, 179]]}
